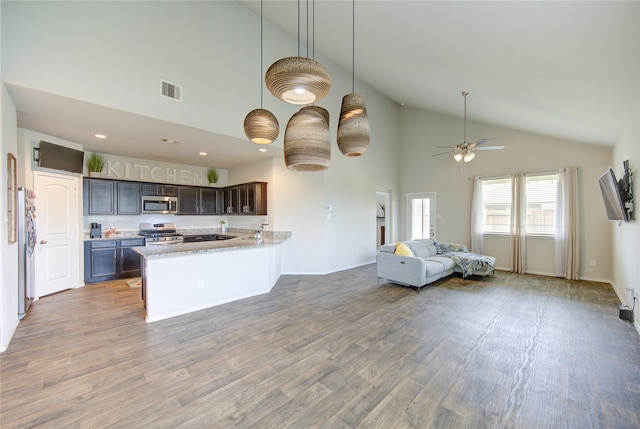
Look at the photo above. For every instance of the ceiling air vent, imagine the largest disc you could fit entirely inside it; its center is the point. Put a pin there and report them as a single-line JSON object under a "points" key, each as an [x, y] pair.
{"points": [[171, 90]]}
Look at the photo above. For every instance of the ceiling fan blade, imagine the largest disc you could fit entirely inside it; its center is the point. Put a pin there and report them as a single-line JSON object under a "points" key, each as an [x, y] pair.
{"points": [[481, 142], [443, 153], [489, 148], [445, 147]]}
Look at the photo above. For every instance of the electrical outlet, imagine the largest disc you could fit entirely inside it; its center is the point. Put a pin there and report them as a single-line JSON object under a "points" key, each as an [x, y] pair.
{"points": [[592, 263]]}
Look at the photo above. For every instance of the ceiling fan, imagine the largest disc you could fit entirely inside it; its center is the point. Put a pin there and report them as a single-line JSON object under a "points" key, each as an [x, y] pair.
{"points": [[464, 152]]}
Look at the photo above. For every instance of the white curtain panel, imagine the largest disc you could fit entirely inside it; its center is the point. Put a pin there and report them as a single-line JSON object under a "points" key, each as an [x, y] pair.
{"points": [[518, 217], [567, 240], [477, 217]]}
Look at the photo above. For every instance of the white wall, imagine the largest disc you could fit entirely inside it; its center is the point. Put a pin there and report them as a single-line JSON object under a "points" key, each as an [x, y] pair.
{"points": [[626, 236], [105, 67], [422, 172], [8, 252]]}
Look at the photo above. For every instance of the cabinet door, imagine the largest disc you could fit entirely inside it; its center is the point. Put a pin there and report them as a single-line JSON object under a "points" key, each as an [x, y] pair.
{"points": [[232, 200], [128, 197], [210, 201], [150, 189], [188, 200], [99, 196], [253, 198], [168, 191], [103, 260], [130, 261]]}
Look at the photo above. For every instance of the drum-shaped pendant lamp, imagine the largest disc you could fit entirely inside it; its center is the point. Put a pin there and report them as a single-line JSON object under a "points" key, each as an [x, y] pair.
{"points": [[261, 126], [354, 134], [307, 143], [298, 80]]}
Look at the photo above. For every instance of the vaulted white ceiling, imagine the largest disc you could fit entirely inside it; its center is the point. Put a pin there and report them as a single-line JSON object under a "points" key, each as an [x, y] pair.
{"points": [[564, 69]]}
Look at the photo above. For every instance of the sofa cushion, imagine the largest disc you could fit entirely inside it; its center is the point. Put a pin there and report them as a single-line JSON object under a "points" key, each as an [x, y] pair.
{"points": [[446, 262], [403, 250], [424, 247]]}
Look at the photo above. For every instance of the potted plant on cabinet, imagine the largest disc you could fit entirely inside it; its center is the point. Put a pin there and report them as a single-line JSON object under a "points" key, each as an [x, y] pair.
{"points": [[95, 165], [212, 176]]}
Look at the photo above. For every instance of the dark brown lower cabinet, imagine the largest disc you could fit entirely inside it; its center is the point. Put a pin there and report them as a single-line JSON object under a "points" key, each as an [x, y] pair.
{"points": [[111, 259]]}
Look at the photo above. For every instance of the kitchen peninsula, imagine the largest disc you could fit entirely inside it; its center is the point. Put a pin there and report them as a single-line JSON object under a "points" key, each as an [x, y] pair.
{"points": [[183, 278]]}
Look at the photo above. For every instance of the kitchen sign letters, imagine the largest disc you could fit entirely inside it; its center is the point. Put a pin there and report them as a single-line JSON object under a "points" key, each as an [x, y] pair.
{"points": [[123, 168]]}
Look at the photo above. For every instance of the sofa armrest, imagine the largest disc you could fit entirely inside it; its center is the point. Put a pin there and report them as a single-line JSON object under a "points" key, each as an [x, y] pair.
{"points": [[408, 270]]}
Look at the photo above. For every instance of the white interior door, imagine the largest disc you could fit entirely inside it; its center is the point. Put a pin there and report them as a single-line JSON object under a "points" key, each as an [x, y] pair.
{"points": [[57, 220]]}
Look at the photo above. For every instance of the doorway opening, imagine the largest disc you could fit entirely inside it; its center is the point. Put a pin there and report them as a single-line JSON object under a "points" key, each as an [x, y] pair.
{"points": [[383, 217]]}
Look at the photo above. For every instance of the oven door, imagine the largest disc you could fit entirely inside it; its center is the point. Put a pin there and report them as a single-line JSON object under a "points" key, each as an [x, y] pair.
{"points": [[155, 204]]}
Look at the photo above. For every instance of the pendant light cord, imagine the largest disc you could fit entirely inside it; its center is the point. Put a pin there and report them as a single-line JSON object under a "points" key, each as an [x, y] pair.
{"points": [[298, 28], [353, 46], [261, 59]]}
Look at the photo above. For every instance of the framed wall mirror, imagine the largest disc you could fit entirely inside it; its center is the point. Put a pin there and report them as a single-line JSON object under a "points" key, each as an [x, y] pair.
{"points": [[12, 199]]}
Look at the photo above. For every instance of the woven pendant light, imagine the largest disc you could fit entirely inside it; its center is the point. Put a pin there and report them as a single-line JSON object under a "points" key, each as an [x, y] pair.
{"points": [[354, 134], [298, 80], [260, 125], [307, 143], [353, 129]]}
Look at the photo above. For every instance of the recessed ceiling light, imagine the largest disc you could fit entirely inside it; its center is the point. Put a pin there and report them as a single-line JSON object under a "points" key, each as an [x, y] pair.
{"points": [[262, 150], [203, 153], [100, 136]]}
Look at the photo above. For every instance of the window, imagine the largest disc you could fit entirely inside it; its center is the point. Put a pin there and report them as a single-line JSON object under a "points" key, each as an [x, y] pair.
{"points": [[540, 201], [496, 204], [422, 208], [541, 204]]}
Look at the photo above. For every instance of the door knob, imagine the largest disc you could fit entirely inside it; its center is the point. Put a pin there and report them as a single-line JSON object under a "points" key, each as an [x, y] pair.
{"points": [[43, 241]]}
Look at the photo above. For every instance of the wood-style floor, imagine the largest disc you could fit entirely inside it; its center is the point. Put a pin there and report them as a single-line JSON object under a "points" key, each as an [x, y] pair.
{"points": [[333, 351]]}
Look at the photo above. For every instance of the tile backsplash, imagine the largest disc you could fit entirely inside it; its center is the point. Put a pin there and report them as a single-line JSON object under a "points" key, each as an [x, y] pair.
{"points": [[132, 223]]}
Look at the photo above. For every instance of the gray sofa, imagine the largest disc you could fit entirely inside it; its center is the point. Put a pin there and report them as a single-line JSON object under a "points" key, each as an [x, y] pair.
{"points": [[432, 261]]}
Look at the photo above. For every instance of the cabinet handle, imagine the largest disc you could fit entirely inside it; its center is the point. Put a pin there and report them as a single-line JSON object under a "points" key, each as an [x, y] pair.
{"points": [[43, 241]]}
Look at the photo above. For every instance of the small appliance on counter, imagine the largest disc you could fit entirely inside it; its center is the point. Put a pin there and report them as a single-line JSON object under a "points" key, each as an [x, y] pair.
{"points": [[96, 230]]}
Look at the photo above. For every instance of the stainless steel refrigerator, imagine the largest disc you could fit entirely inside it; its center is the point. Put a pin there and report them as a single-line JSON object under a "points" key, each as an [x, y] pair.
{"points": [[26, 245]]}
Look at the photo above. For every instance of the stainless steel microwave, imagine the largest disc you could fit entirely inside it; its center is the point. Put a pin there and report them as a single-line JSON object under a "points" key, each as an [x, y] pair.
{"points": [[159, 204]]}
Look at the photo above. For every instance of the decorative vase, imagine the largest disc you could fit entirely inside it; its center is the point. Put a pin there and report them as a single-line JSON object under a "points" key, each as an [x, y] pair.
{"points": [[95, 174], [223, 227]]}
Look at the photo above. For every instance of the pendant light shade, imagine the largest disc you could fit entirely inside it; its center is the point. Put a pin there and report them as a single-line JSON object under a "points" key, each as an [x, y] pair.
{"points": [[307, 143], [298, 80], [261, 126], [354, 134]]}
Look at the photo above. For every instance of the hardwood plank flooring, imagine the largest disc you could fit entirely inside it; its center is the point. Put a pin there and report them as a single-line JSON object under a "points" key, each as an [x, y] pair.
{"points": [[342, 350]]}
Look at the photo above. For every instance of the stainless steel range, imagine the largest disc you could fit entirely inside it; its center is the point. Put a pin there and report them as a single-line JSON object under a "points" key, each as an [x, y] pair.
{"points": [[160, 233]]}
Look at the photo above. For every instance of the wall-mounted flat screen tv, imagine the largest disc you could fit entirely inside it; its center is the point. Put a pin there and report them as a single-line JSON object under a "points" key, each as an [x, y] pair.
{"points": [[611, 196], [60, 157]]}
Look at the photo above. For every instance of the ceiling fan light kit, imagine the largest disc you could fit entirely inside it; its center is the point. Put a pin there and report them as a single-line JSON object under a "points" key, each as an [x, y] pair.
{"points": [[464, 152]]}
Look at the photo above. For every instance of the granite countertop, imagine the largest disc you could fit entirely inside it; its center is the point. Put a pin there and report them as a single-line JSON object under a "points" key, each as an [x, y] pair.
{"points": [[119, 235], [127, 234], [242, 241]]}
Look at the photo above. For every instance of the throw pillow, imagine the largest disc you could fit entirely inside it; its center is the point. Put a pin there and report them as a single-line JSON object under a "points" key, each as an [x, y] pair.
{"points": [[403, 250]]}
